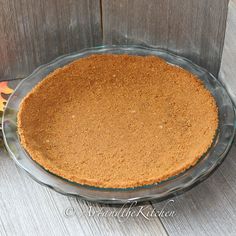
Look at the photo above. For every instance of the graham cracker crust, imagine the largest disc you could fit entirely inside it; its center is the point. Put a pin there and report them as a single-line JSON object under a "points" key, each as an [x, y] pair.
{"points": [[118, 121]]}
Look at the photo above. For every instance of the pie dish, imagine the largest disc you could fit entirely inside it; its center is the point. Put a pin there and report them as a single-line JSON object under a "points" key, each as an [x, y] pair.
{"points": [[206, 164]]}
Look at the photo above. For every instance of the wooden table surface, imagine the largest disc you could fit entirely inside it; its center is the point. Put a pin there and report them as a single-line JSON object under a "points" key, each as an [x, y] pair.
{"points": [[27, 208]]}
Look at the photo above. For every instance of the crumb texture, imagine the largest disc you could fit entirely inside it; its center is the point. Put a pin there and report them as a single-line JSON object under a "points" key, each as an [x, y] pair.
{"points": [[118, 121]]}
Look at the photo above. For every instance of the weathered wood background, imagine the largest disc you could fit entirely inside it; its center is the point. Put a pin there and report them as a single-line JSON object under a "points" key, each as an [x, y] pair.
{"points": [[33, 32], [227, 72]]}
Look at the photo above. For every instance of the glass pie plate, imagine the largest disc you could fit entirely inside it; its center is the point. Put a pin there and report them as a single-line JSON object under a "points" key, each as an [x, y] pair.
{"points": [[159, 191]]}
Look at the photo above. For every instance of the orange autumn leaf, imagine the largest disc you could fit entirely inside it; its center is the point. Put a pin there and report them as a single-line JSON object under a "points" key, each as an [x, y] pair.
{"points": [[4, 89]]}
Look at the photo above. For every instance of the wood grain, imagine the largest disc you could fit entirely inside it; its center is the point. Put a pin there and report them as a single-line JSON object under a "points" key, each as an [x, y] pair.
{"points": [[33, 32], [194, 29], [228, 69]]}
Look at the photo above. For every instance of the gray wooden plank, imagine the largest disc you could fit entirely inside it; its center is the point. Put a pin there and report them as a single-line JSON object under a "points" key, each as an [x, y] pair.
{"points": [[26, 208], [194, 29], [33, 32], [227, 72], [120, 223]]}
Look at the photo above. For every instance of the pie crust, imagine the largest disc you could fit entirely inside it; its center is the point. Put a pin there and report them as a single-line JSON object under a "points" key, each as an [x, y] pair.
{"points": [[118, 121]]}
